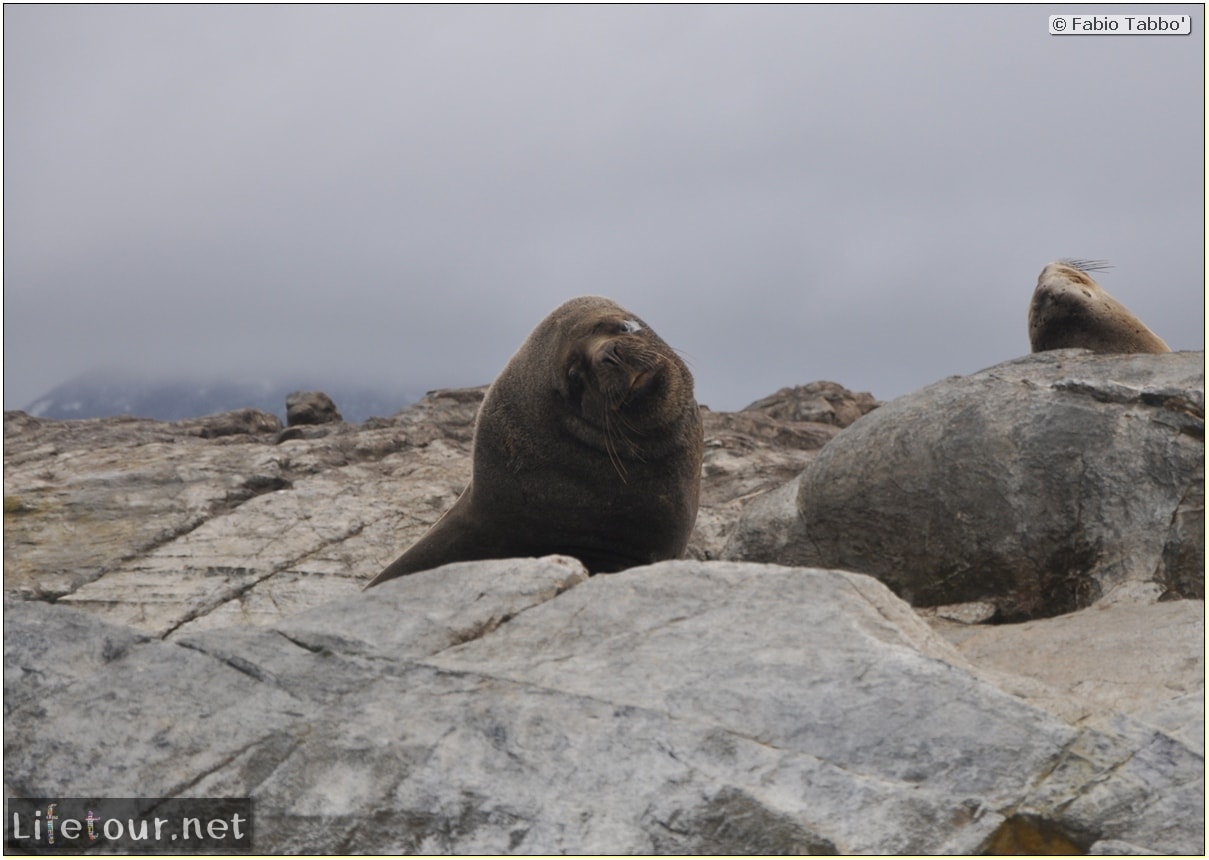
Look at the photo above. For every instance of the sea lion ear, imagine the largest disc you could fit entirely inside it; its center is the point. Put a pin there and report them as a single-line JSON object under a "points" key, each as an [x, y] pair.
{"points": [[631, 326]]}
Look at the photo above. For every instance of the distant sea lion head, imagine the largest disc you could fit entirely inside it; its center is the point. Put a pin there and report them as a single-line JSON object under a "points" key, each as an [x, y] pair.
{"points": [[1077, 271], [1069, 309]]}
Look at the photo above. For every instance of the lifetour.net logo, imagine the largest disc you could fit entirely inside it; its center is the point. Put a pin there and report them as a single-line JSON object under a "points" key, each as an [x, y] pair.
{"points": [[132, 825]]}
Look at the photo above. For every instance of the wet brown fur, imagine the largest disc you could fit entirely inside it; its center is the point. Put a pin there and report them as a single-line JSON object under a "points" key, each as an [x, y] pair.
{"points": [[1069, 309], [589, 443]]}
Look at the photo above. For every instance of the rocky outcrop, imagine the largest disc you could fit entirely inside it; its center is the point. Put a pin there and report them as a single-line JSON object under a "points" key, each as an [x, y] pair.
{"points": [[174, 526], [520, 707], [310, 407], [818, 402], [83, 497], [184, 617], [1041, 485]]}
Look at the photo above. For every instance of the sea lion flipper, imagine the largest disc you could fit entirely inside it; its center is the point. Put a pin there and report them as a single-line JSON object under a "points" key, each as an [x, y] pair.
{"points": [[445, 542]]}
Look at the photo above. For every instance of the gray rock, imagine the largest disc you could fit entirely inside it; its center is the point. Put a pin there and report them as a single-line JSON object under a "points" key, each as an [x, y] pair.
{"points": [[1154, 656], [1116, 846], [81, 497], [210, 638], [310, 407], [770, 529], [236, 423], [44, 643], [519, 707], [821, 402], [746, 454], [1041, 485]]}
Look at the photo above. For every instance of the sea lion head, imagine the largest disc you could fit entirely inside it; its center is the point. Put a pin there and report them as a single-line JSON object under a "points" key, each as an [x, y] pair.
{"points": [[605, 377], [1073, 273], [611, 367], [599, 375], [1070, 310]]}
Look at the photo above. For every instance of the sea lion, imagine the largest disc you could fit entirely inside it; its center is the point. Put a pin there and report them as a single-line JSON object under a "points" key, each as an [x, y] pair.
{"points": [[1069, 309], [588, 443]]}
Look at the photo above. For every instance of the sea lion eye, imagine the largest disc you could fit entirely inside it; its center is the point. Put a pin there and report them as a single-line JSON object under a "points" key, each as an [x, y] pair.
{"points": [[630, 326], [575, 380]]}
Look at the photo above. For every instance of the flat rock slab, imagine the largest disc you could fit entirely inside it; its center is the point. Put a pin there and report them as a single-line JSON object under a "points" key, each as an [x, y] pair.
{"points": [[1144, 661], [177, 527], [519, 707]]}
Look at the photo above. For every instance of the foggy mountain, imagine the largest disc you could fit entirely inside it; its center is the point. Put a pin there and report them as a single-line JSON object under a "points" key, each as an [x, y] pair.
{"points": [[103, 394]]}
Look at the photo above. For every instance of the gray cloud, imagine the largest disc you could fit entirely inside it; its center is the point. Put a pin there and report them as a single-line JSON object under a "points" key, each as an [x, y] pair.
{"points": [[399, 193]]}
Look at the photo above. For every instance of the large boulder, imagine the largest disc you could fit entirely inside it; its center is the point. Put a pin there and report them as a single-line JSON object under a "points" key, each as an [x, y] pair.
{"points": [[518, 706], [1042, 485]]}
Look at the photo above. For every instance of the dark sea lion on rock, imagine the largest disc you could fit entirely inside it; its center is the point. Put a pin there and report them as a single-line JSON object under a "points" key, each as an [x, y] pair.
{"points": [[1069, 309], [588, 444]]}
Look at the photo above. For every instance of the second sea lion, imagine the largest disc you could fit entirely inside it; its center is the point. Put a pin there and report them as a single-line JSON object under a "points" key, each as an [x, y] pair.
{"points": [[1069, 309]]}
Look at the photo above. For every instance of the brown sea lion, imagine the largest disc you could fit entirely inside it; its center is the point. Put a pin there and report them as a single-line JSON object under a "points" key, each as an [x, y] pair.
{"points": [[1069, 309], [588, 444]]}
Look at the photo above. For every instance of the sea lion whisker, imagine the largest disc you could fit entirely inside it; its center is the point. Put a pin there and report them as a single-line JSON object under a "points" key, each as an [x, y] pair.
{"points": [[626, 424], [611, 448], [685, 356], [620, 418], [1089, 265], [632, 449], [623, 425]]}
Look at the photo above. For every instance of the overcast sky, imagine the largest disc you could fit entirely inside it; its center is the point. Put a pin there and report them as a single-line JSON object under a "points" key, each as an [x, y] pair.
{"points": [[398, 194]]}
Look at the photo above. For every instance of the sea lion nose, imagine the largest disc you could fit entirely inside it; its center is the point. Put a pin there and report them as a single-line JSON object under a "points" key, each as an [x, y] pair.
{"points": [[608, 354]]}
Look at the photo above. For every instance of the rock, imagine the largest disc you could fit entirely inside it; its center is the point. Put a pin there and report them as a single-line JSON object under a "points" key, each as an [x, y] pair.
{"points": [[1116, 846], [71, 646], [1041, 485], [235, 423], [976, 612], [518, 706], [84, 496], [746, 454], [770, 528], [175, 526], [820, 402], [1145, 661], [210, 637], [310, 407], [447, 411]]}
